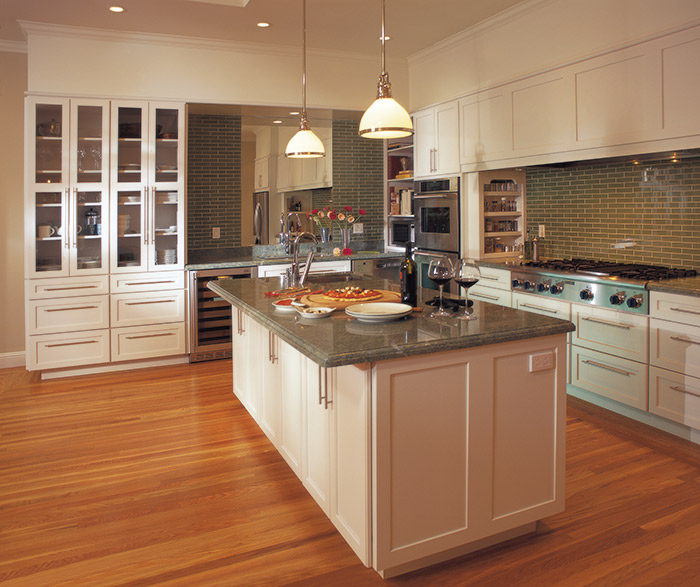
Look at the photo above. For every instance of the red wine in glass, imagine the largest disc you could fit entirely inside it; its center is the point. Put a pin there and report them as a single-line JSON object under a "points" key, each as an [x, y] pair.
{"points": [[467, 274]]}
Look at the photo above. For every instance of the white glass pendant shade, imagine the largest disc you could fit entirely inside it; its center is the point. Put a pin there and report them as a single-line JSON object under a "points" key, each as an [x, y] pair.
{"points": [[304, 144], [385, 119]]}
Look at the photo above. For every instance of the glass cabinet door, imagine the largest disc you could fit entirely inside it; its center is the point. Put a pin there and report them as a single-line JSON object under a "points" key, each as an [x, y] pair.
{"points": [[166, 132], [89, 143], [50, 151], [132, 237], [48, 249], [90, 234], [129, 124], [166, 228]]}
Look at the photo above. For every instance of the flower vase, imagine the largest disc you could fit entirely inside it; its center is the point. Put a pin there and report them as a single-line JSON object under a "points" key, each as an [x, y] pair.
{"points": [[345, 238], [325, 234]]}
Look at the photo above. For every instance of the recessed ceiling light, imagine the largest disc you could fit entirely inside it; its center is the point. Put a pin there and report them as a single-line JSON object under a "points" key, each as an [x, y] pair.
{"points": [[117, 9], [276, 122], [263, 25], [294, 113]]}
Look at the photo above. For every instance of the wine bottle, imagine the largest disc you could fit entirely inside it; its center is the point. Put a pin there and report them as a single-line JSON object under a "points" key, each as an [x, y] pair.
{"points": [[409, 278]]}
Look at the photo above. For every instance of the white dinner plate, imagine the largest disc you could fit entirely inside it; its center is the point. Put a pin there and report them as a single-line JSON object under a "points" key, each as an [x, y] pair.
{"points": [[286, 308], [378, 311], [314, 313]]}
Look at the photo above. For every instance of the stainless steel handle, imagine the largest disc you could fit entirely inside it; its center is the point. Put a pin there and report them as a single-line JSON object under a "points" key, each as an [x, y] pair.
{"points": [[272, 357], [607, 323], [150, 282], [153, 215], [539, 308], [150, 335], [683, 390], [608, 368], [474, 294], [685, 311], [489, 277], [50, 346], [145, 216], [241, 326], [65, 219], [72, 287], [68, 309], [148, 302], [434, 196], [323, 388], [685, 339], [75, 207]]}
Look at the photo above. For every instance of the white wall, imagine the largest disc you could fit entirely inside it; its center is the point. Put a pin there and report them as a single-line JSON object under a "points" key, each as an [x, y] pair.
{"points": [[13, 83], [535, 36]]}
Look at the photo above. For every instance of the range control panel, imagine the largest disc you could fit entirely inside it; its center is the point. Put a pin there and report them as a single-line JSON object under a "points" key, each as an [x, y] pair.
{"points": [[612, 294]]}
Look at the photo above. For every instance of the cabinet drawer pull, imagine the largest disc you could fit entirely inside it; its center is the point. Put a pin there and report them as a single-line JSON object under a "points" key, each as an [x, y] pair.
{"points": [[685, 311], [69, 309], [607, 323], [71, 287], [608, 368], [490, 277], [150, 335], [272, 357], [150, 282], [149, 302], [683, 390], [685, 339], [482, 295], [50, 346], [539, 308]]}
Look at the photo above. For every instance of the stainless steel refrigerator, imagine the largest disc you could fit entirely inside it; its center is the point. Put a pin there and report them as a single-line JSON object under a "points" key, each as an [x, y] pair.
{"points": [[261, 221]]}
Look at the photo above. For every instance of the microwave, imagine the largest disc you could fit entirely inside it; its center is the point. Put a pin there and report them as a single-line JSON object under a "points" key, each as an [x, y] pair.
{"points": [[401, 231], [436, 186]]}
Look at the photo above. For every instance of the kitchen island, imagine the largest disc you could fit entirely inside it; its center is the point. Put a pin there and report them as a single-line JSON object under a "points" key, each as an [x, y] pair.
{"points": [[421, 439]]}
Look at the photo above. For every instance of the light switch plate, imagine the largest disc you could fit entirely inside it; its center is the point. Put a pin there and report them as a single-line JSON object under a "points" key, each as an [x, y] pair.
{"points": [[216, 232], [542, 361]]}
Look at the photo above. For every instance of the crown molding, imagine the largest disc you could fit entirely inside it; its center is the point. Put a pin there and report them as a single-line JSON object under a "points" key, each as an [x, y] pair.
{"points": [[13, 46], [166, 40]]}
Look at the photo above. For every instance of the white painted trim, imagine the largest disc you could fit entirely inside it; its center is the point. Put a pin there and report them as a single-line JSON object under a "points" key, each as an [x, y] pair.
{"points": [[16, 359], [13, 46], [109, 367], [166, 40]]}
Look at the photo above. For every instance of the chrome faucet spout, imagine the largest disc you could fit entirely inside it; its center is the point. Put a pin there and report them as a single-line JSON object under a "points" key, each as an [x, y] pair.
{"points": [[293, 278]]}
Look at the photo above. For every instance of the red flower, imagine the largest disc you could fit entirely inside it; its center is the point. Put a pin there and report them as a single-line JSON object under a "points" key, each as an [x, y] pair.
{"points": [[347, 251], [332, 215], [348, 208], [314, 211], [361, 212]]}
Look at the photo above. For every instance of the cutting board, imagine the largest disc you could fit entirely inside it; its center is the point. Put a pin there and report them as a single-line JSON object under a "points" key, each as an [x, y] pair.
{"points": [[319, 300]]}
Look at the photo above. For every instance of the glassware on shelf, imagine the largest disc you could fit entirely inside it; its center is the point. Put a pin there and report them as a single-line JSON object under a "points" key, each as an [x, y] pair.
{"points": [[467, 274], [440, 270]]}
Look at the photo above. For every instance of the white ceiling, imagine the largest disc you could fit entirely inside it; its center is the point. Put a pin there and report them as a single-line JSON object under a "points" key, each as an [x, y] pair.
{"points": [[343, 25]]}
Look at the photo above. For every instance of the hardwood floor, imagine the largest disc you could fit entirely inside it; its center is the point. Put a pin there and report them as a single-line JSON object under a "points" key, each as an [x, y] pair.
{"points": [[159, 477]]}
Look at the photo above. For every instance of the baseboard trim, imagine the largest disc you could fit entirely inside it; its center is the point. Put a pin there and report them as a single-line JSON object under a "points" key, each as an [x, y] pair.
{"points": [[9, 360], [109, 367]]}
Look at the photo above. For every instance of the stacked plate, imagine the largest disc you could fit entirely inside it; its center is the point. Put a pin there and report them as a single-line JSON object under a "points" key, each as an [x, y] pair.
{"points": [[378, 311], [166, 257]]}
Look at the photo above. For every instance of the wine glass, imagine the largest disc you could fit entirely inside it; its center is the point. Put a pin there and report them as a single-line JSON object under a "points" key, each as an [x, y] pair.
{"points": [[466, 275], [440, 270]]}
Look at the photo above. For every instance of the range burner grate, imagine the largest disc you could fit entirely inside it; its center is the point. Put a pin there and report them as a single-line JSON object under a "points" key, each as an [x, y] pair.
{"points": [[607, 268]]}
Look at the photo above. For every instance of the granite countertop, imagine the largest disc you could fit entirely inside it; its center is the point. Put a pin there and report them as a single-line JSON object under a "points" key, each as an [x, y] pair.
{"points": [[341, 340], [273, 255]]}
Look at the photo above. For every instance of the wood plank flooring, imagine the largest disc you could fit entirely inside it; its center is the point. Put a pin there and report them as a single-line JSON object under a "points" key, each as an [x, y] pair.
{"points": [[159, 477]]}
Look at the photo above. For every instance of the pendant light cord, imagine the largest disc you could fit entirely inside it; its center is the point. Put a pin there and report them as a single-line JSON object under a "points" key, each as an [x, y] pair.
{"points": [[303, 124], [383, 38]]}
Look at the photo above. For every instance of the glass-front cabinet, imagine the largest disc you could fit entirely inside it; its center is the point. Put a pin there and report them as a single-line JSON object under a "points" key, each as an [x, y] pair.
{"points": [[147, 187], [67, 179]]}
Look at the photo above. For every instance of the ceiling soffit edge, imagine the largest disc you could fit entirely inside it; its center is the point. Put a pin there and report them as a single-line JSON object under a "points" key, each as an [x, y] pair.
{"points": [[13, 46], [48, 29]]}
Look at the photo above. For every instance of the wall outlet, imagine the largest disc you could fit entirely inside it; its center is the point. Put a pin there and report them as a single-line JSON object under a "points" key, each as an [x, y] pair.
{"points": [[358, 228], [541, 233], [542, 361], [215, 232]]}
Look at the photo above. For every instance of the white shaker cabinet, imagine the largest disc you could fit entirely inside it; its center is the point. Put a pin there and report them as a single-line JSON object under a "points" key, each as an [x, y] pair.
{"points": [[436, 141]]}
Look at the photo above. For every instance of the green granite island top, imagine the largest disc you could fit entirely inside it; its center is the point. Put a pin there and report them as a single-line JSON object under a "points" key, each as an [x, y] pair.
{"points": [[340, 340]]}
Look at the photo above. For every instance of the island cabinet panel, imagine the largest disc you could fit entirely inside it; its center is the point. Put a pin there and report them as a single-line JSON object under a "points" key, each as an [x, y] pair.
{"points": [[292, 364], [246, 332], [270, 381], [468, 449], [316, 472]]}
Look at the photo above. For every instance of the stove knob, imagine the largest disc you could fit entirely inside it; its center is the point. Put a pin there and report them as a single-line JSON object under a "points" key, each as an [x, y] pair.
{"points": [[618, 298], [636, 301], [557, 288], [529, 285], [517, 283], [586, 294], [542, 287]]}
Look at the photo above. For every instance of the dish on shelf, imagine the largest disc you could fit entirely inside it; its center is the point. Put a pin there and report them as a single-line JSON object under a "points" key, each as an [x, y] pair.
{"points": [[378, 311]]}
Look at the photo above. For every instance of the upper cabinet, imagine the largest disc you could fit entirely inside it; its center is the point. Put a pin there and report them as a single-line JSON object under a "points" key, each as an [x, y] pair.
{"points": [[147, 187], [436, 141], [67, 187]]}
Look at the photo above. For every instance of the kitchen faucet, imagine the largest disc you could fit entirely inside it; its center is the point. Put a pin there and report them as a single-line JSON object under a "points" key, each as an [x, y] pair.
{"points": [[293, 278], [285, 232]]}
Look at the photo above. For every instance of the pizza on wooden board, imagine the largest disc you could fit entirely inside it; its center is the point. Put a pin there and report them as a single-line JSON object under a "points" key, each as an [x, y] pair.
{"points": [[352, 293]]}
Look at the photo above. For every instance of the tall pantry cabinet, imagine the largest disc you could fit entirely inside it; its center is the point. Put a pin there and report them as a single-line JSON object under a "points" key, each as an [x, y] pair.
{"points": [[104, 231]]}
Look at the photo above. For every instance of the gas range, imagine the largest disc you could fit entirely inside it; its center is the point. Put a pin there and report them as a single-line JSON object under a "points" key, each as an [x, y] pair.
{"points": [[620, 286]]}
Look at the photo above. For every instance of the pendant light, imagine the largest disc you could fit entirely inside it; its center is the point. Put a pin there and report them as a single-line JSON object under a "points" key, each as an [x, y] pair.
{"points": [[305, 144], [385, 118]]}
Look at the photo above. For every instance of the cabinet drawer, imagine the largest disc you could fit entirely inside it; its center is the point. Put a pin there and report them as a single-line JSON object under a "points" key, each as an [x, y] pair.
{"points": [[66, 287], [674, 346], [674, 396], [143, 342], [487, 293], [544, 306], [491, 277], [683, 309], [138, 282], [69, 315], [147, 308], [608, 331], [612, 377], [52, 351]]}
